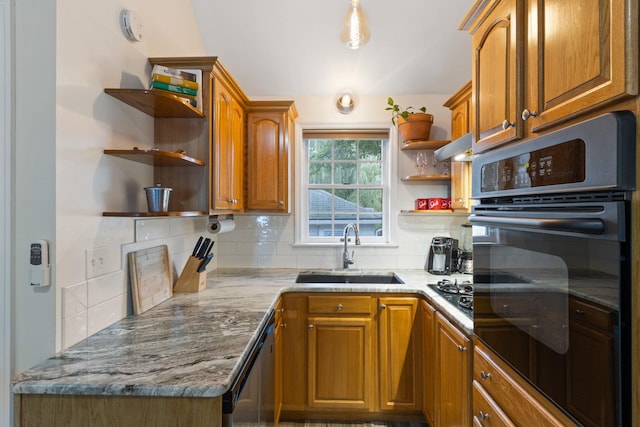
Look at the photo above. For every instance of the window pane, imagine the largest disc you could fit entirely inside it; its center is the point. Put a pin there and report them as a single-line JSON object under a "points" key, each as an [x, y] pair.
{"points": [[320, 173], [345, 200], [370, 224], [370, 173], [345, 149], [348, 182], [370, 150], [371, 200], [345, 173], [320, 149]]}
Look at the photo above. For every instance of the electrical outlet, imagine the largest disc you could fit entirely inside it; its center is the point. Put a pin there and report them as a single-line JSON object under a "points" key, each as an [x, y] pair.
{"points": [[97, 261]]}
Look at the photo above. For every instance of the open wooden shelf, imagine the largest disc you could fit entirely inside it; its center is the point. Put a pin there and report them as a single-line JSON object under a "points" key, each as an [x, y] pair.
{"points": [[156, 157], [423, 145], [154, 214], [416, 178], [156, 103]]}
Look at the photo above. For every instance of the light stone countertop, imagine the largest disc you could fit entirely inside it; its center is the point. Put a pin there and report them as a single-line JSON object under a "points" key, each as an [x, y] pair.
{"points": [[192, 345]]}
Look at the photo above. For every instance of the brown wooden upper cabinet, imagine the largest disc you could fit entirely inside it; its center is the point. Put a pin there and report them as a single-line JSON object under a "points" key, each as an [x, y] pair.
{"points": [[461, 118], [538, 63], [227, 153], [270, 133]]}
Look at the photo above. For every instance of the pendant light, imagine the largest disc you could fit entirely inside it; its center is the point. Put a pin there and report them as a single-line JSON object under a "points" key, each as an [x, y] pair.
{"points": [[355, 30]]}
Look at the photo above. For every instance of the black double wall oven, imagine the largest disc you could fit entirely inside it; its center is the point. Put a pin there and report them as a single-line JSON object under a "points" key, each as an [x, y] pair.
{"points": [[552, 263]]}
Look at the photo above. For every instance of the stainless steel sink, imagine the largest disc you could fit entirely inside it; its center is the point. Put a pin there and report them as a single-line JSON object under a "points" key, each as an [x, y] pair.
{"points": [[342, 276]]}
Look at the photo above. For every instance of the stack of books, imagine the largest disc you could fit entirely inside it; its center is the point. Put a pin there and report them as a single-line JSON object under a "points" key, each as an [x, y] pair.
{"points": [[182, 83]]}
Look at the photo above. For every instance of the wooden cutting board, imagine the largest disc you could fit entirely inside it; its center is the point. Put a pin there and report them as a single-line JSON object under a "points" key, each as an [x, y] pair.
{"points": [[150, 275]]}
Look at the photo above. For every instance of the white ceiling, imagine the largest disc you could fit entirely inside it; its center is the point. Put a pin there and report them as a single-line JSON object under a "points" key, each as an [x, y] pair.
{"points": [[292, 47]]}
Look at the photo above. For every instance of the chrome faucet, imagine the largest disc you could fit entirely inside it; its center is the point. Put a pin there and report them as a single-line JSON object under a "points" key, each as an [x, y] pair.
{"points": [[346, 259]]}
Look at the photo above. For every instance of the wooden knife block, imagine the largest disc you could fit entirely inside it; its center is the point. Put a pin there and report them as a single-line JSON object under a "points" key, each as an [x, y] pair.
{"points": [[190, 279]]}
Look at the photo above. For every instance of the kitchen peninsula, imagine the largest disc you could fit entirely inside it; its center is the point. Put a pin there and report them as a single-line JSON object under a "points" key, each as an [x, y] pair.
{"points": [[173, 363]]}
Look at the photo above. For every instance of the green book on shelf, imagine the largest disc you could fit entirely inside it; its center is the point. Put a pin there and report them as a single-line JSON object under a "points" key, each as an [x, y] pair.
{"points": [[173, 88]]}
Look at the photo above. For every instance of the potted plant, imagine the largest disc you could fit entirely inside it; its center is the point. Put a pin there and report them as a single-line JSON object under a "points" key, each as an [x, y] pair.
{"points": [[414, 124]]}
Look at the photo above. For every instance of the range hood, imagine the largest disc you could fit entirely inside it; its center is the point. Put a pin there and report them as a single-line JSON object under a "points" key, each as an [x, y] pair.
{"points": [[459, 148]]}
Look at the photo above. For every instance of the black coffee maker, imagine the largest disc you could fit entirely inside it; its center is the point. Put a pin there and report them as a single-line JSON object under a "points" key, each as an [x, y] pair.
{"points": [[443, 256]]}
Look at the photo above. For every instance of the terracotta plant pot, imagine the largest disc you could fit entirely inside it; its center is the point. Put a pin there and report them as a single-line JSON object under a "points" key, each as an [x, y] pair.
{"points": [[417, 127]]}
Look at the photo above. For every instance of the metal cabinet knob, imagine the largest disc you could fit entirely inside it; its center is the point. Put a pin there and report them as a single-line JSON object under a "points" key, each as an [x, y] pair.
{"points": [[485, 375], [383, 307], [526, 114], [506, 124], [281, 203], [339, 307], [283, 325], [461, 348], [579, 312], [310, 327], [482, 415]]}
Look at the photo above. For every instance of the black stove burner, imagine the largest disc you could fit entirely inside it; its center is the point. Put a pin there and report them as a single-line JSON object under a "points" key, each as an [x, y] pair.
{"points": [[466, 301], [449, 287], [458, 295]]}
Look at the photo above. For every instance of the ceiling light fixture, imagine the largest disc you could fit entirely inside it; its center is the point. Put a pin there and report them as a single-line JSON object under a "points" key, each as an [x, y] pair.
{"points": [[346, 102], [355, 30]]}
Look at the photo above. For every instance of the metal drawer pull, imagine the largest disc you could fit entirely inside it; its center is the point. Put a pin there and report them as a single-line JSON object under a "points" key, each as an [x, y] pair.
{"points": [[339, 307], [526, 114], [579, 312], [506, 124], [483, 415], [283, 325], [485, 375], [461, 348]]}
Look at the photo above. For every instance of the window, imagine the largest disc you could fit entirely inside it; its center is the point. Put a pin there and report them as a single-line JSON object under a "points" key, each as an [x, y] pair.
{"points": [[345, 179]]}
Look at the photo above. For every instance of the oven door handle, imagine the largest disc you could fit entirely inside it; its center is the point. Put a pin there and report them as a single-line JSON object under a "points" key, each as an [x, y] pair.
{"points": [[574, 225]]}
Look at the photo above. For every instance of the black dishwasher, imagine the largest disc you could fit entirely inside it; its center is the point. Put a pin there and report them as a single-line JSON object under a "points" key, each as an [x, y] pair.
{"points": [[249, 401]]}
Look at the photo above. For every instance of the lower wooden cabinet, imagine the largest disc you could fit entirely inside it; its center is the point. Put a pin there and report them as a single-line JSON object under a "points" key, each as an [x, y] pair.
{"points": [[351, 355], [400, 353], [428, 361], [340, 363], [501, 394], [452, 374]]}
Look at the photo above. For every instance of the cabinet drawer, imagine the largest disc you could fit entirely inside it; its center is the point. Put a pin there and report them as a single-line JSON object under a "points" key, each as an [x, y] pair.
{"points": [[347, 304], [519, 404], [591, 315], [485, 411]]}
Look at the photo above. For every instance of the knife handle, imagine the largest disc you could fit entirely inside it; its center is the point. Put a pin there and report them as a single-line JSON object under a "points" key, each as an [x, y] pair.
{"points": [[195, 249]]}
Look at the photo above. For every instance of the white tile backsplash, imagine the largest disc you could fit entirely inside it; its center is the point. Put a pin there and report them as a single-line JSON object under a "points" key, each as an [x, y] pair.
{"points": [[106, 313], [268, 242], [105, 287], [74, 299]]}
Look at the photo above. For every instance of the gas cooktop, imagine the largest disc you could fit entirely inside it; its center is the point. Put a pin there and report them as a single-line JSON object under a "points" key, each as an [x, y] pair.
{"points": [[458, 294]]}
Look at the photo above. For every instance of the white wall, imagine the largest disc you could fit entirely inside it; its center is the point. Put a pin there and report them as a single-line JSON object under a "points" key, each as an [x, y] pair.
{"points": [[265, 241], [92, 54], [6, 156], [66, 53]]}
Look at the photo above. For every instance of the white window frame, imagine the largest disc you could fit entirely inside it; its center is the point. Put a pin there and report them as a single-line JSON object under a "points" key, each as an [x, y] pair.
{"points": [[302, 190]]}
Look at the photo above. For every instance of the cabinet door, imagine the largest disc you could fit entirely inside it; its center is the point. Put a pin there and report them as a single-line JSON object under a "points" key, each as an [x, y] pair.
{"points": [[277, 371], [579, 57], [227, 160], [497, 76], [399, 352], [340, 363], [460, 119], [294, 357], [590, 389], [267, 162], [460, 185], [237, 156], [453, 375], [428, 358]]}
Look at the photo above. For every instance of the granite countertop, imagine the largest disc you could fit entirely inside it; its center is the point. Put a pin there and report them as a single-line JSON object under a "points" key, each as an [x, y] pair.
{"points": [[192, 345]]}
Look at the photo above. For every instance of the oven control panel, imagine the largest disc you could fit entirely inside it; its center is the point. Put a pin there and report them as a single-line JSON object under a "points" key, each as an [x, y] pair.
{"points": [[559, 164]]}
